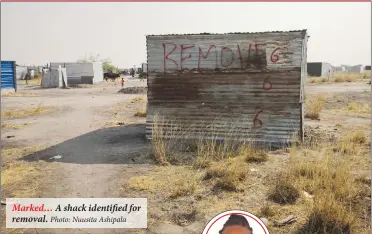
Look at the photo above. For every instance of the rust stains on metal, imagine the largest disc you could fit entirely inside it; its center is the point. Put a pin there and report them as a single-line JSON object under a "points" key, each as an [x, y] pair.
{"points": [[245, 86]]}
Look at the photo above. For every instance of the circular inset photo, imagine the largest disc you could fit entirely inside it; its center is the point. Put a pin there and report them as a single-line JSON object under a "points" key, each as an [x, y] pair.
{"points": [[235, 222]]}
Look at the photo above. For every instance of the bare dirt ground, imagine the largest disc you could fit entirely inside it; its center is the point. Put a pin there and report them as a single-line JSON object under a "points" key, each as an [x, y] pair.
{"points": [[105, 154]]}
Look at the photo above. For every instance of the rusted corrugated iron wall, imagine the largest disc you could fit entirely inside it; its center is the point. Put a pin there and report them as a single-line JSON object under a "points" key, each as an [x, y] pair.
{"points": [[246, 86]]}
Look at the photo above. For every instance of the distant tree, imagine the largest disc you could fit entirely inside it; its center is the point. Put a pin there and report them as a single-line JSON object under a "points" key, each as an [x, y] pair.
{"points": [[106, 62]]}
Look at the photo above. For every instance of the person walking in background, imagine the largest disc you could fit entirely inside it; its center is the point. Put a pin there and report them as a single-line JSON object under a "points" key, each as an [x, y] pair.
{"points": [[122, 82], [329, 75], [27, 77]]}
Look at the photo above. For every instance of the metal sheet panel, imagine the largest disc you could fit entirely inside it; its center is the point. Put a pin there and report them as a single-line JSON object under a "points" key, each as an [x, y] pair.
{"points": [[144, 67], [53, 79], [314, 69], [356, 69], [21, 72], [77, 73], [98, 72], [8, 75], [245, 86], [327, 69]]}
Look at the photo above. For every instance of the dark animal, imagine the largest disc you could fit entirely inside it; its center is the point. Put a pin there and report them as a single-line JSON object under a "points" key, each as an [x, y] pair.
{"points": [[110, 75]]}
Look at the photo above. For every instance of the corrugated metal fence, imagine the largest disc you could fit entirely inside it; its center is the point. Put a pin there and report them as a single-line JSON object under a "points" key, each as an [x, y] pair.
{"points": [[246, 86], [8, 75]]}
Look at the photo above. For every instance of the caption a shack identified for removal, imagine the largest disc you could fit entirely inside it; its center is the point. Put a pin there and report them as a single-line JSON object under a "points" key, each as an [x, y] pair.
{"points": [[76, 213]]}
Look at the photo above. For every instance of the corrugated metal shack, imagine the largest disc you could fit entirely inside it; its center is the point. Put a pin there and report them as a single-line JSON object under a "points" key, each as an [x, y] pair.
{"points": [[240, 86], [21, 72], [319, 69], [81, 73], [8, 76], [356, 69], [55, 79]]}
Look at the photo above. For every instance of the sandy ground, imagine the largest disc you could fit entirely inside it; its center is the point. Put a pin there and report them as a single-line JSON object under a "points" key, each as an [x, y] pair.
{"points": [[96, 159], [337, 87], [93, 158]]}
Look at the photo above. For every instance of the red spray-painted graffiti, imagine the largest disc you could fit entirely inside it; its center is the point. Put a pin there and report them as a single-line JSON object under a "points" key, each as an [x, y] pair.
{"points": [[184, 58], [267, 85], [257, 123], [274, 57], [229, 60], [206, 56], [167, 55], [226, 60], [227, 56]]}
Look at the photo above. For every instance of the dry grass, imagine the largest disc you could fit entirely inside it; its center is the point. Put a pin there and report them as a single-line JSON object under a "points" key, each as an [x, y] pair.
{"points": [[350, 77], [137, 99], [176, 138], [140, 113], [222, 167], [355, 137], [257, 157], [111, 124], [79, 86], [351, 143], [224, 162], [314, 107], [14, 126], [183, 187], [327, 176], [22, 113], [8, 154], [36, 81], [266, 211], [186, 217], [355, 109], [21, 179], [364, 180], [228, 174], [175, 181], [317, 80], [202, 163], [284, 192], [359, 108], [340, 77], [19, 94], [366, 74], [214, 149], [329, 217], [338, 125], [14, 173], [160, 146]]}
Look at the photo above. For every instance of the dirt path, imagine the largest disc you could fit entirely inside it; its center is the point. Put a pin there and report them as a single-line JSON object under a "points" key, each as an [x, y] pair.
{"points": [[93, 158], [95, 161]]}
